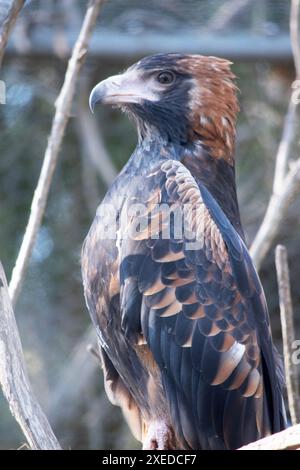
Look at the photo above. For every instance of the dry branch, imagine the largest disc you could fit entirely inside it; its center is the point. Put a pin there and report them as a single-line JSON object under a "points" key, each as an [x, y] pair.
{"points": [[61, 117], [287, 139], [289, 439], [288, 331], [93, 142], [14, 379], [71, 385], [275, 214], [8, 15], [94, 351], [286, 184], [90, 183], [295, 34], [227, 12]]}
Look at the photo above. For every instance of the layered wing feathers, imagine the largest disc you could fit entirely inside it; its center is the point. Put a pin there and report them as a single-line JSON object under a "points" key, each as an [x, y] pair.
{"points": [[188, 287]]}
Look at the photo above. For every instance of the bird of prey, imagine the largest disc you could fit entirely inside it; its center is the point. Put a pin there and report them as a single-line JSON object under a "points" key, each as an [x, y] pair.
{"points": [[180, 312]]}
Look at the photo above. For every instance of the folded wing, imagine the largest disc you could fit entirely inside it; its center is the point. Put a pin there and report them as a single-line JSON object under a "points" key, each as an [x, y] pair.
{"points": [[190, 291]]}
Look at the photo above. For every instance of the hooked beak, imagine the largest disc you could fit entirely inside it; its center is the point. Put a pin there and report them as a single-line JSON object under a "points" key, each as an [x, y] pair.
{"points": [[120, 90]]}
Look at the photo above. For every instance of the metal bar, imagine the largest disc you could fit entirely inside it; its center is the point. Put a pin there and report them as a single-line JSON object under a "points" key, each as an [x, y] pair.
{"points": [[115, 44]]}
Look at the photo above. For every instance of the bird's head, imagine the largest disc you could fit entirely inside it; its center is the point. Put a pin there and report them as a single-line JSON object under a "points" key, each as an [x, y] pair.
{"points": [[187, 99]]}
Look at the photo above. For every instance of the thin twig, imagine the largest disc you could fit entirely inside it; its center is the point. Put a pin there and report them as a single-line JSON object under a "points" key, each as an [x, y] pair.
{"points": [[61, 117], [283, 152], [289, 129], [67, 394], [275, 214], [14, 379], [288, 331], [92, 141], [7, 22], [90, 183], [92, 349], [295, 35], [286, 184], [228, 11], [289, 439]]}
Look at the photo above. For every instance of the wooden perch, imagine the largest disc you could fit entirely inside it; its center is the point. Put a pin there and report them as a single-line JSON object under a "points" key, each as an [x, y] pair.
{"points": [[14, 379], [8, 14], [60, 120], [288, 331], [289, 439]]}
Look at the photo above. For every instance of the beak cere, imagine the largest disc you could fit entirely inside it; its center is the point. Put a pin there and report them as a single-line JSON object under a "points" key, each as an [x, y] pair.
{"points": [[121, 90]]}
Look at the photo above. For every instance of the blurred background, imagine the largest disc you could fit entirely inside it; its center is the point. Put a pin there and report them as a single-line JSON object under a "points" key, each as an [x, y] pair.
{"points": [[51, 313]]}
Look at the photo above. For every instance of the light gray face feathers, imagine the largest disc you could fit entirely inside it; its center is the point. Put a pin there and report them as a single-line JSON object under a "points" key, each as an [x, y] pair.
{"points": [[126, 88]]}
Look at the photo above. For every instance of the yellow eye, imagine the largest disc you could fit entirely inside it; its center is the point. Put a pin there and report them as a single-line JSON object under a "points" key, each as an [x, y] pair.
{"points": [[165, 78]]}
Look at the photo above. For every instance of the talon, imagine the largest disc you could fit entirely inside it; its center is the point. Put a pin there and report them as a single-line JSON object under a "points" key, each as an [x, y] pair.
{"points": [[159, 436]]}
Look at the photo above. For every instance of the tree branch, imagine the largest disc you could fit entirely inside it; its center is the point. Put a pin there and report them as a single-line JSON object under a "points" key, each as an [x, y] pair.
{"points": [[287, 139], [289, 439], [286, 185], [275, 214], [295, 38], [67, 394], [288, 331], [92, 141], [8, 15], [227, 12], [14, 379], [61, 117]]}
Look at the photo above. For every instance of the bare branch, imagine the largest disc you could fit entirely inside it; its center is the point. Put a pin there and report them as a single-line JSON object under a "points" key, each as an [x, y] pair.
{"points": [[226, 14], [275, 214], [61, 117], [71, 386], [92, 348], [90, 183], [8, 15], [289, 439], [283, 153], [295, 36], [93, 142], [14, 379], [75, 389], [288, 332], [286, 185]]}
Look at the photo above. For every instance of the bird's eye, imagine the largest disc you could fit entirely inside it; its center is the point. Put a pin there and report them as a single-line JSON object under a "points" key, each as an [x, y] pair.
{"points": [[165, 78]]}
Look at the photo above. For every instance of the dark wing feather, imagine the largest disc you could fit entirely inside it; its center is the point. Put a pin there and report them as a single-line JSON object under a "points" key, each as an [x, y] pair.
{"points": [[199, 304]]}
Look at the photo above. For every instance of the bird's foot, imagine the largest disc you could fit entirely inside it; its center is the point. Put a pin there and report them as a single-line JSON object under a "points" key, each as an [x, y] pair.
{"points": [[160, 436]]}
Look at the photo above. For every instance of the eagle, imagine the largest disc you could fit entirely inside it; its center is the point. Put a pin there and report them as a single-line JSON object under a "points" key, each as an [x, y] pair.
{"points": [[180, 313]]}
